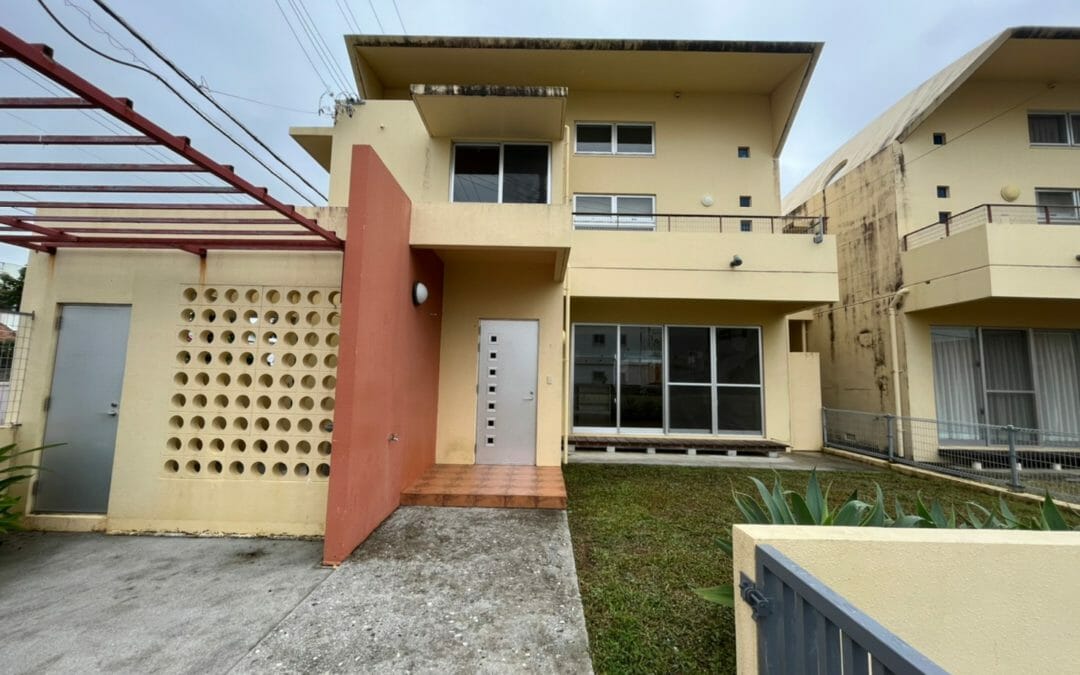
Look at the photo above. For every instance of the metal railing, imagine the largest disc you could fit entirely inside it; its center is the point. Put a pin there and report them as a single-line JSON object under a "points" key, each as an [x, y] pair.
{"points": [[985, 214], [1021, 459], [15, 328], [806, 627], [701, 223]]}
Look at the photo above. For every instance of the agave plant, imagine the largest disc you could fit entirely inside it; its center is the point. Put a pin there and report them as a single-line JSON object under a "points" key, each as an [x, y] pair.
{"points": [[786, 507], [11, 474]]}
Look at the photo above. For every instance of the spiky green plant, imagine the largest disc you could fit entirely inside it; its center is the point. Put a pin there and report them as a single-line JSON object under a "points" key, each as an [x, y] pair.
{"points": [[12, 473]]}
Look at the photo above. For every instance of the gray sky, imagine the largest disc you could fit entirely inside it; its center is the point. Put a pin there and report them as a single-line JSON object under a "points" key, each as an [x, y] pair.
{"points": [[875, 52]]}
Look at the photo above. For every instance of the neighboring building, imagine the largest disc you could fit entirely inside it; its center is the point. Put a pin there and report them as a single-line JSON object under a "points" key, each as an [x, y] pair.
{"points": [[541, 173], [958, 207]]}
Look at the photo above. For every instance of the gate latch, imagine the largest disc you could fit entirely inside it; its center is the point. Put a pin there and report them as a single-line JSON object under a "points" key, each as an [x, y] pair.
{"points": [[753, 596]]}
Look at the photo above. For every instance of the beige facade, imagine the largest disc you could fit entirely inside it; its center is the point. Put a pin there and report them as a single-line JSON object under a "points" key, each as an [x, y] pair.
{"points": [[529, 261], [940, 210]]}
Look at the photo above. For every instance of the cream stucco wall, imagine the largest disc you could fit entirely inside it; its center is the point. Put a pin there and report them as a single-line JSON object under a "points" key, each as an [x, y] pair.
{"points": [[804, 400], [478, 288], [978, 601], [143, 496]]}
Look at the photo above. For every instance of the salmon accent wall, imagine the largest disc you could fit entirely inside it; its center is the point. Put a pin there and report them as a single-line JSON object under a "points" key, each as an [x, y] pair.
{"points": [[388, 372]]}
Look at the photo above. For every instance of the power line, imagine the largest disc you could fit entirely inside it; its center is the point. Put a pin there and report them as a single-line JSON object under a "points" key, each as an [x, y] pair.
{"points": [[398, 12], [345, 4], [288, 24], [195, 85], [377, 19], [319, 43], [203, 84]]}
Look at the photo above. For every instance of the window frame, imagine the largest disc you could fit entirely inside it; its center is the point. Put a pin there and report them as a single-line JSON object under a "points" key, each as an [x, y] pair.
{"points": [[614, 126], [502, 156], [1075, 192], [613, 220], [1071, 141], [666, 383]]}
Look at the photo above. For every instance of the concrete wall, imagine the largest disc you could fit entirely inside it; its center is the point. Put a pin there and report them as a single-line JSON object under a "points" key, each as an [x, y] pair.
{"points": [[852, 336], [513, 287], [804, 400], [977, 601], [389, 373]]}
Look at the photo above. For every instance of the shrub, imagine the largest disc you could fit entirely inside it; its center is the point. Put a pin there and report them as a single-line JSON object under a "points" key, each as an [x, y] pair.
{"points": [[11, 474]]}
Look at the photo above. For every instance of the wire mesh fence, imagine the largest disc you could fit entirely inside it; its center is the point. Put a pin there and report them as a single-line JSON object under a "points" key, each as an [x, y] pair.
{"points": [[1021, 459], [15, 329]]}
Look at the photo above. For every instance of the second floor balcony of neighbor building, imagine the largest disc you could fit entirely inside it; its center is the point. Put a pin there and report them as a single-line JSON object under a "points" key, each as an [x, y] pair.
{"points": [[1027, 251]]}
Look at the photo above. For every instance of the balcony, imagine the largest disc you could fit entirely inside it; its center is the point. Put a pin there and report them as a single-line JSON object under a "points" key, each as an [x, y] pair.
{"points": [[789, 260], [994, 251]]}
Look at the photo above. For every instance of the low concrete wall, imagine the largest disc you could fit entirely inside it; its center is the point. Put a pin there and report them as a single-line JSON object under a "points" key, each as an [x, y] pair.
{"points": [[974, 601], [804, 400]]}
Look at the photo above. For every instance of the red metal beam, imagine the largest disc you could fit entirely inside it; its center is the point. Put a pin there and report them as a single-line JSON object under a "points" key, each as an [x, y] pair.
{"points": [[159, 231], [25, 102], [134, 205], [20, 224], [40, 61], [149, 189], [75, 140], [84, 166], [173, 220], [40, 47], [135, 242]]}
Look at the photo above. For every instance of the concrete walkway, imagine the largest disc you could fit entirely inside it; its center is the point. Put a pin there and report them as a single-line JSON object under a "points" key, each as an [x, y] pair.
{"points": [[788, 461], [433, 590]]}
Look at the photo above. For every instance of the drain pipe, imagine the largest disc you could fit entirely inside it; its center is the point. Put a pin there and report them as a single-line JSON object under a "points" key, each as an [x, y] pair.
{"points": [[897, 409]]}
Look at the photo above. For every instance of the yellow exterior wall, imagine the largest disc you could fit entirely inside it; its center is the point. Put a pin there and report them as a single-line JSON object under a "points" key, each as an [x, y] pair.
{"points": [[475, 289], [988, 157], [143, 497], [774, 338], [804, 400], [967, 585]]}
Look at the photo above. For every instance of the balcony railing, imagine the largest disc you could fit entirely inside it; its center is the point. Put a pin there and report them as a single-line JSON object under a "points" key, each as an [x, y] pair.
{"points": [[985, 214], [699, 223]]}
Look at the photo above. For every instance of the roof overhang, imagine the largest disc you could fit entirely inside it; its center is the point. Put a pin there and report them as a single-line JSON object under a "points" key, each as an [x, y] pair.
{"points": [[491, 111], [317, 141]]}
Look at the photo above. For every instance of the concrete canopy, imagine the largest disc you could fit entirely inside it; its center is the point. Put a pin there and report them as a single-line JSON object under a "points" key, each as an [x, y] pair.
{"points": [[1024, 53], [481, 112]]}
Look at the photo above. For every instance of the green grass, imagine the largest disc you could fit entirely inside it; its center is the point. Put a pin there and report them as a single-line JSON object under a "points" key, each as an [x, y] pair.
{"points": [[645, 535]]}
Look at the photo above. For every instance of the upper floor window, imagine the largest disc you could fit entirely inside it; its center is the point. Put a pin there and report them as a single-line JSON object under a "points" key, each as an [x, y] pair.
{"points": [[1058, 205], [502, 173], [603, 138], [1054, 128], [604, 212]]}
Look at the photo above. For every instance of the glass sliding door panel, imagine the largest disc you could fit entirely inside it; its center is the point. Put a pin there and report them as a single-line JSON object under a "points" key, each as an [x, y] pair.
{"points": [[525, 174], [1017, 409], [689, 354], [737, 357], [738, 410], [476, 173], [641, 380], [1008, 363], [595, 376], [1057, 370], [957, 390], [690, 408]]}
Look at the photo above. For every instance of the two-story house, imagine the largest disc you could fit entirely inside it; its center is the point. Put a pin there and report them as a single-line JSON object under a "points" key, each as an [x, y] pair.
{"points": [[955, 213], [606, 215]]}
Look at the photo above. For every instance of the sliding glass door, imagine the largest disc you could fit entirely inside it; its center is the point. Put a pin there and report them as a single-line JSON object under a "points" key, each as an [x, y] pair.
{"points": [[674, 379]]}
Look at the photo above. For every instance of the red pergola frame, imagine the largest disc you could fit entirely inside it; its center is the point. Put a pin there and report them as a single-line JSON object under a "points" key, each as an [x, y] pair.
{"points": [[297, 232]]}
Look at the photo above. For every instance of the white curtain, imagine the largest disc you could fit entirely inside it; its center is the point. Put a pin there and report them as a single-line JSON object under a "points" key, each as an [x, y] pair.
{"points": [[1058, 371], [956, 388]]}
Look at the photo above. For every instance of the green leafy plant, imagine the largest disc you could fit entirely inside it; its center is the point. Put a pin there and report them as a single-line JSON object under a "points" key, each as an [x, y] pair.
{"points": [[12, 473], [787, 507]]}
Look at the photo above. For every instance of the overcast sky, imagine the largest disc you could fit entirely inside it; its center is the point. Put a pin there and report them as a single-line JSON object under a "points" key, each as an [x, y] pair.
{"points": [[875, 52]]}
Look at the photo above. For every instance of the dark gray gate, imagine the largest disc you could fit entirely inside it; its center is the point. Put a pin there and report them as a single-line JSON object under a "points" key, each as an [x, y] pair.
{"points": [[84, 406], [806, 627]]}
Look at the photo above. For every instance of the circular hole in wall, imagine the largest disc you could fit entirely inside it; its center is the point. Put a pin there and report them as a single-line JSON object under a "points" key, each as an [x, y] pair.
{"points": [[195, 444], [172, 466], [291, 338], [217, 445], [173, 443], [266, 380], [270, 338], [242, 401], [229, 315], [335, 298], [292, 318], [180, 379], [322, 471], [236, 468], [219, 423], [294, 296], [287, 381], [283, 424], [288, 360], [307, 382], [332, 340], [207, 336], [240, 423], [190, 294], [210, 294], [307, 403], [252, 296], [202, 379], [224, 379], [243, 379], [193, 466], [226, 358], [179, 400], [260, 446], [205, 357], [311, 339], [285, 402], [304, 424], [247, 359], [326, 425], [327, 403], [333, 318], [311, 360], [281, 446], [188, 315], [280, 469], [248, 337], [263, 402], [214, 467], [228, 337], [269, 359], [313, 318], [197, 422], [238, 445], [330, 361], [273, 297], [186, 336], [324, 448], [221, 401], [271, 317], [303, 447], [258, 468], [183, 358], [329, 382], [176, 422], [199, 400], [209, 315], [262, 424], [232, 295], [301, 470], [314, 297], [251, 316]]}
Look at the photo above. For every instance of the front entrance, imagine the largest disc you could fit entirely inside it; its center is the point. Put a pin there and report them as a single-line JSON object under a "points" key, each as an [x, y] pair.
{"points": [[84, 405], [506, 398]]}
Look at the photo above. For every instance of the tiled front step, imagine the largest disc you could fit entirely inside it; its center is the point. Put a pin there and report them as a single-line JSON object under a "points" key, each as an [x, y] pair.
{"points": [[520, 487]]}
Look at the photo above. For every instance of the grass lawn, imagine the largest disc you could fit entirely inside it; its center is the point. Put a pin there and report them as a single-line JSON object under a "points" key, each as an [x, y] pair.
{"points": [[645, 535]]}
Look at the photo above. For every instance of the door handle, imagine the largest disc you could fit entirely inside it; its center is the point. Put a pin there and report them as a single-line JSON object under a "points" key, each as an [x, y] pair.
{"points": [[531, 396], [114, 409]]}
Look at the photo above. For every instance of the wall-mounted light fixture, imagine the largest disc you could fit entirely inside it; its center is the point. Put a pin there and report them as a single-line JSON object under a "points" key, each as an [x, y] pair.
{"points": [[707, 200], [419, 293], [736, 261]]}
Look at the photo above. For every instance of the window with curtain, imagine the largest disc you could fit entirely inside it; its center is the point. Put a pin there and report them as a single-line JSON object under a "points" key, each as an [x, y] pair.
{"points": [[956, 383], [1060, 205], [1048, 128]]}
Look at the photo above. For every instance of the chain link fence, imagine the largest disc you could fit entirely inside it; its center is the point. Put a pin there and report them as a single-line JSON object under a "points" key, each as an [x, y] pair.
{"points": [[1023, 460], [14, 354]]}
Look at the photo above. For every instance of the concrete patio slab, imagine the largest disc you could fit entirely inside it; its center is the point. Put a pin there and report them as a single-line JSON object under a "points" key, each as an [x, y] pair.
{"points": [[89, 603], [442, 590], [789, 461]]}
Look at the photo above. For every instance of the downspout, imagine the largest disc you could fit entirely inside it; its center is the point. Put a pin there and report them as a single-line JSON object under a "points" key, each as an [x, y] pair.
{"points": [[894, 346], [566, 369]]}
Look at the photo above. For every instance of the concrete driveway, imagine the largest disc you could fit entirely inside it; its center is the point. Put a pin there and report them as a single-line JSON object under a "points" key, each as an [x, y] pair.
{"points": [[433, 590]]}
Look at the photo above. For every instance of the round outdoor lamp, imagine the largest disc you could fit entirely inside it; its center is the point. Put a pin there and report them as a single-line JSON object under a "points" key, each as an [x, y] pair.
{"points": [[419, 293]]}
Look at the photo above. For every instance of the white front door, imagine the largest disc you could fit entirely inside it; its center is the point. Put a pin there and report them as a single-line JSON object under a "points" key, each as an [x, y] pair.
{"points": [[506, 399]]}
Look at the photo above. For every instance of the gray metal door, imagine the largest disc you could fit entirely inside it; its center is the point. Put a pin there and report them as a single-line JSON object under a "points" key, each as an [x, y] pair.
{"points": [[506, 404], [84, 406]]}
